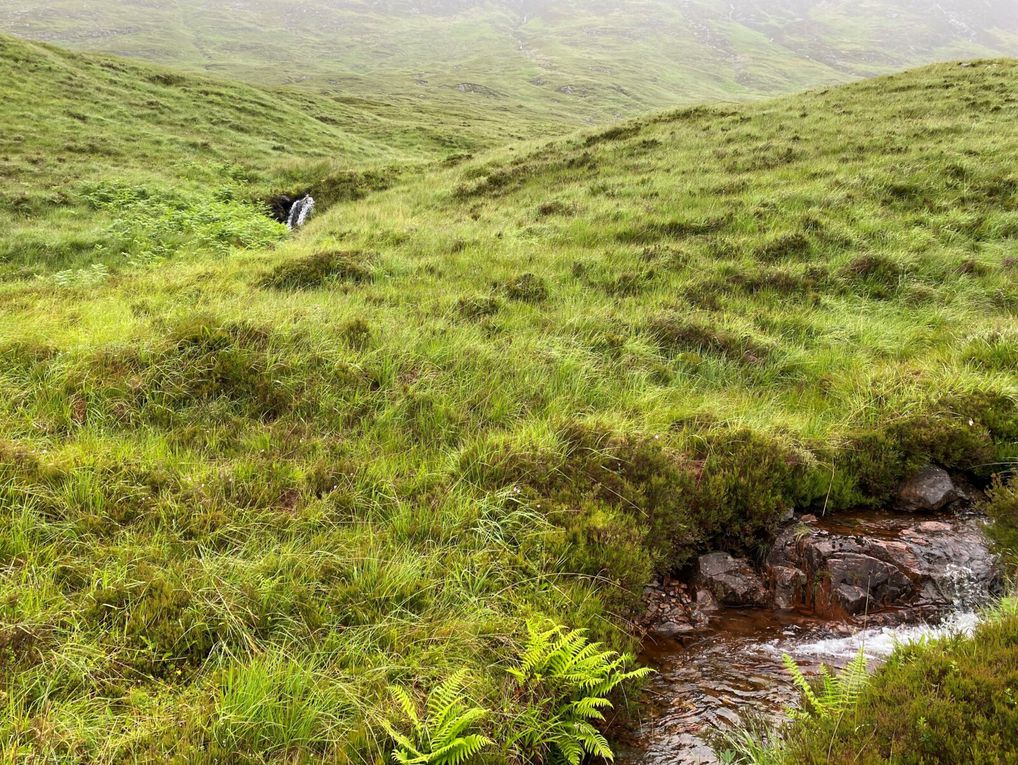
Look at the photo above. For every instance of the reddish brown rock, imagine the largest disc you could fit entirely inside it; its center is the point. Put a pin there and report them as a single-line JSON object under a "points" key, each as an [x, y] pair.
{"points": [[930, 564]]}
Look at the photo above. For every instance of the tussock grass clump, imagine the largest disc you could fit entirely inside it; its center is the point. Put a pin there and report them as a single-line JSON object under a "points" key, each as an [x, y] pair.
{"points": [[793, 246], [651, 233], [997, 351], [206, 359], [617, 133], [624, 281], [478, 307], [320, 269], [876, 276], [676, 333], [554, 207], [527, 288], [808, 283]]}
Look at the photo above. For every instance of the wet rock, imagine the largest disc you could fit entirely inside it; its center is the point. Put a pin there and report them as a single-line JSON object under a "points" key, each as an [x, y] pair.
{"points": [[836, 572], [855, 600], [673, 629], [858, 581], [929, 490], [932, 527], [668, 609], [705, 601], [956, 565], [732, 581], [787, 584]]}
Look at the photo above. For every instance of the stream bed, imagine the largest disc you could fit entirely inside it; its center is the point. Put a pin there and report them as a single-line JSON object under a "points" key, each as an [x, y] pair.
{"points": [[729, 669]]}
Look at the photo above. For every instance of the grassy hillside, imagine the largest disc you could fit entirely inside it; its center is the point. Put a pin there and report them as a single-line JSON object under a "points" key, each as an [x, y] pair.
{"points": [[107, 161], [245, 490], [528, 59]]}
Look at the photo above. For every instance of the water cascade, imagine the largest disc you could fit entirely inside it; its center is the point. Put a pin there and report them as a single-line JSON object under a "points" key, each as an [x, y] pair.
{"points": [[301, 210]]}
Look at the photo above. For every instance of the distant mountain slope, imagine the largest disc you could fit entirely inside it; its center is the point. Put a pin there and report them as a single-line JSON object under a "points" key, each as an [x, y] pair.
{"points": [[569, 61]]}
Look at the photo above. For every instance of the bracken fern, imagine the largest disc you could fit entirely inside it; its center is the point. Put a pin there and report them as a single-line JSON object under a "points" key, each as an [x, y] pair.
{"points": [[567, 680], [439, 736], [833, 693]]}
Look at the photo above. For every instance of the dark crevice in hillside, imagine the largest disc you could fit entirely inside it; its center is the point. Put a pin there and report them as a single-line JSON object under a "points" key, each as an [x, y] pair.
{"points": [[327, 187]]}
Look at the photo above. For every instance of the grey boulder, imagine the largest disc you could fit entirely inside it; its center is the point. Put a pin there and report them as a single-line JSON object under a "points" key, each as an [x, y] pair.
{"points": [[732, 581], [931, 489]]}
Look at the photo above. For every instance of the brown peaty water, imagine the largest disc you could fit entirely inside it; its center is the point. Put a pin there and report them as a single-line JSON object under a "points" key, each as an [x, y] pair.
{"points": [[732, 670]]}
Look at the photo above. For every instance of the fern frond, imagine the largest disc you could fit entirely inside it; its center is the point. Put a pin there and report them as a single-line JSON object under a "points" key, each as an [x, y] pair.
{"points": [[446, 695], [854, 678], [452, 727], [800, 681], [569, 678], [406, 703], [439, 738], [589, 708], [406, 751]]}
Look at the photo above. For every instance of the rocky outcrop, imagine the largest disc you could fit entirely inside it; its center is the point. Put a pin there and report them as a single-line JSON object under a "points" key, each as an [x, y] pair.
{"points": [[675, 609], [847, 565], [732, 581], [832, 573], [931, 489]]}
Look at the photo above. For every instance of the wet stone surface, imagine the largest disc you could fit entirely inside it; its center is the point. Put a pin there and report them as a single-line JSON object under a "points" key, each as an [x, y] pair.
{"points": [[913, 575]]}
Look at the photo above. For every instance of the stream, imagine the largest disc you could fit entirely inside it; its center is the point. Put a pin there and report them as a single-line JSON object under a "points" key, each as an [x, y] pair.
{"points": [[728, 668]]}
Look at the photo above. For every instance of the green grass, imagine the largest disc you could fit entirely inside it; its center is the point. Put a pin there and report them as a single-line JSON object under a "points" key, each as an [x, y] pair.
{"points": [[137, 163], [246, 488]]}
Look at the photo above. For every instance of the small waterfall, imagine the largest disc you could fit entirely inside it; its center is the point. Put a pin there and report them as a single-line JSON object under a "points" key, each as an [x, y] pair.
{"points": [[961, 586], [879, 642], [301, 210]]}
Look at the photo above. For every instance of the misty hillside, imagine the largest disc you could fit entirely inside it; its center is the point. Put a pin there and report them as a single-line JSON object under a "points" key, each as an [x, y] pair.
{"points": [[566, 61]]}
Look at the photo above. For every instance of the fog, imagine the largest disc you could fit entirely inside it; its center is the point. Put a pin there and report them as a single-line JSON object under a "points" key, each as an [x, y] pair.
{"points": [[586, 59]]}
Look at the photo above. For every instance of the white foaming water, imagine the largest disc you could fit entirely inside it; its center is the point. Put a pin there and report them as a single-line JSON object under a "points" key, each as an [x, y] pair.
{"points": [[880, 642], [960, 585], [301, 210]]}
